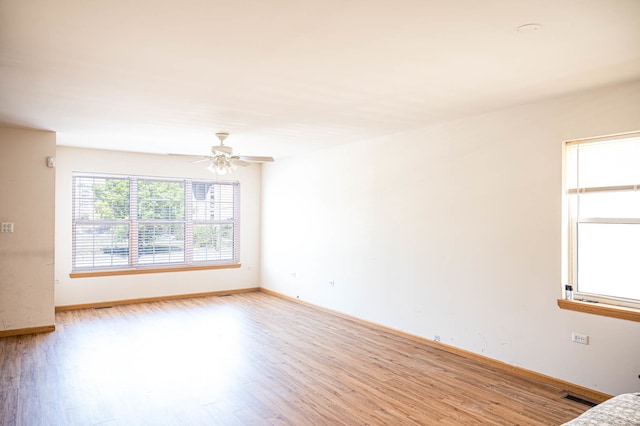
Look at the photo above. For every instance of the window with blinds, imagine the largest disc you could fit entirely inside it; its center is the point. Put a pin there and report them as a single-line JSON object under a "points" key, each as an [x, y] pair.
{"points": [[602, 181], [122, 222]]}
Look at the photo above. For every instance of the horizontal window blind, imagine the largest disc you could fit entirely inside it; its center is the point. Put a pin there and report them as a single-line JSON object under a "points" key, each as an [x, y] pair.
{"points": [[124, 222]]}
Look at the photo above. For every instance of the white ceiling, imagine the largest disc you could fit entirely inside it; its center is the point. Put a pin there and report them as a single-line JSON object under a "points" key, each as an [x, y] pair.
{"points": [[289, 76]]}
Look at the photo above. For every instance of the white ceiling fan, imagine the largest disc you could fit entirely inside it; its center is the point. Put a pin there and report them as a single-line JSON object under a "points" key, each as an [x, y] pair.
{"points": [[224, 162]]}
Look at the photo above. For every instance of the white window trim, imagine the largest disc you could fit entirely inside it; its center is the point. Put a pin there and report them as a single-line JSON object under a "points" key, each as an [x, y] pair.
{"points": [[570, 260]]}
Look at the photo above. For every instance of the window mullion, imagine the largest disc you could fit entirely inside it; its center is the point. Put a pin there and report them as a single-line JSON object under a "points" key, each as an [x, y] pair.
{"points": [[133, 222], [610, 220], [188, 222]]}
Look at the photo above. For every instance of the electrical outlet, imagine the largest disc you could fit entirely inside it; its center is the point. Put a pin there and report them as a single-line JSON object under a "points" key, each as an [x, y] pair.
{"points": [[7, 227], [332, 283], [583, 339]]}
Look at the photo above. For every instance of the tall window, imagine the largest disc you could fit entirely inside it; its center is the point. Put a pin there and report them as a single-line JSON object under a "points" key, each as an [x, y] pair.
{"points": [[602, 185], [122, 222]]}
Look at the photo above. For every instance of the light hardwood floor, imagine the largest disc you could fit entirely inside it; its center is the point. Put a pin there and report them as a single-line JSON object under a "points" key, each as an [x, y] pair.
{"points": [[251, 359]]}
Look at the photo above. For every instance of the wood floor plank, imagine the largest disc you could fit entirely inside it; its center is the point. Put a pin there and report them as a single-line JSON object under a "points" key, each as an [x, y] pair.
{"points": [[252, 359]]}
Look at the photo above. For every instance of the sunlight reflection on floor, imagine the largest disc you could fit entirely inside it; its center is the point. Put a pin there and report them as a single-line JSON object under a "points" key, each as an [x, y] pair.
{"points": [[158, 362]]}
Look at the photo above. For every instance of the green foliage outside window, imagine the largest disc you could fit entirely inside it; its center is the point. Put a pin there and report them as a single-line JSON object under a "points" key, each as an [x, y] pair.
{"points": [[158, 200], [111, 199]]}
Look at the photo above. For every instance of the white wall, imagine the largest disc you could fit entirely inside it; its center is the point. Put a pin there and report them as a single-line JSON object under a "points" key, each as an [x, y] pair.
{"points": [[91, 290], [453, 230], [26, 255]]}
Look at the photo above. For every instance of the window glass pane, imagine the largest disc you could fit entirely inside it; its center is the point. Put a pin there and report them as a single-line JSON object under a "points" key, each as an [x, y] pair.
{"points": [[101, 198], [608, 259], [224, 206], [160, 243], [622, 204], [159, 200], [212, 242], [226, 241], [607, 163], [101, 246], [203, 201]]}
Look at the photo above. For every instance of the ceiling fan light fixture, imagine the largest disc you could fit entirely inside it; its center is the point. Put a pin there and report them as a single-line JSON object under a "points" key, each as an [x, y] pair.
{"points": [[212, 168], [221, 165]]}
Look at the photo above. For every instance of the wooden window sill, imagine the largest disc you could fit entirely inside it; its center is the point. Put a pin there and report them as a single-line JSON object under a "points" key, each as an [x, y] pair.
{"points": [[621, 312], [108, 273]]}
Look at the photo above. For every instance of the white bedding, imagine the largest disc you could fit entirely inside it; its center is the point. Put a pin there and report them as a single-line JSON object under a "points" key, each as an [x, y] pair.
{"points": [[621, 410]]}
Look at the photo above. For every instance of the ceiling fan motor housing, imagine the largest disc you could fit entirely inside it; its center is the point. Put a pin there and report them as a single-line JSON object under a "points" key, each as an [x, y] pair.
{"points": [[222, 136]]}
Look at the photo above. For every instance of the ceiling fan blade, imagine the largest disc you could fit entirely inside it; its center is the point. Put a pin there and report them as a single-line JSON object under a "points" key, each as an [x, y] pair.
{"points": [[256, 159], [222, 149], [202, 160], [240, 163], [173, 154]]}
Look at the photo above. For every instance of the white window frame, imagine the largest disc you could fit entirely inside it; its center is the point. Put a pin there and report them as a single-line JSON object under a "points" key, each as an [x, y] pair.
{"points": [[133, 223], [570, 238]]}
